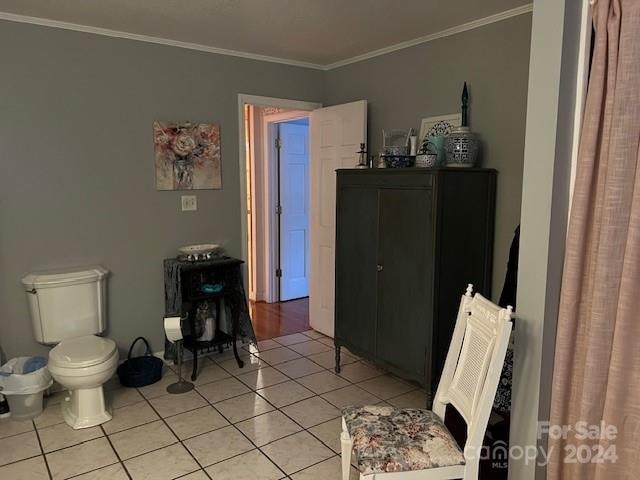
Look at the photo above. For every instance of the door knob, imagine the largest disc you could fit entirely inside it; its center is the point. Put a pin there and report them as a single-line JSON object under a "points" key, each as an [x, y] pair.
{"points": [[379, 268]]}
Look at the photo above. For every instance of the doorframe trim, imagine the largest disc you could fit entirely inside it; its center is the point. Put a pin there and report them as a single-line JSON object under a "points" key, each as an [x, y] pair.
{"points": [[259, 101]]}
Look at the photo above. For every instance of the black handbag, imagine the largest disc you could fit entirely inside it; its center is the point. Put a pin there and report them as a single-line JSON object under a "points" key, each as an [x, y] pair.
{"points": [[140, 371]]}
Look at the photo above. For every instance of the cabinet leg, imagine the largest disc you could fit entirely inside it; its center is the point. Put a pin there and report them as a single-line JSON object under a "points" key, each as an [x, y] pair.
{"points": [[194, 372], [337, 359]]}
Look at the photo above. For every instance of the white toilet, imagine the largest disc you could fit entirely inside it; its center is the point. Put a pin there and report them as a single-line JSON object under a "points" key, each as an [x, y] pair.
{"points": [[68, 308]]}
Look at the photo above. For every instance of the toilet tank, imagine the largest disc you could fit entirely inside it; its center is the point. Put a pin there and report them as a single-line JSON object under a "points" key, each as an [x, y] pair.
{"points": [[67, 303]]}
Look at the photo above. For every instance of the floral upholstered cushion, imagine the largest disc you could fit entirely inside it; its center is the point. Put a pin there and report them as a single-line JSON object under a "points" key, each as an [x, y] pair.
{"points": [[386, 439]]}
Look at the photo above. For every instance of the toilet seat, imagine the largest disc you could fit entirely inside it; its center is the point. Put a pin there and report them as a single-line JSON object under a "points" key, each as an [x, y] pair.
{"points": [[82, 352]]}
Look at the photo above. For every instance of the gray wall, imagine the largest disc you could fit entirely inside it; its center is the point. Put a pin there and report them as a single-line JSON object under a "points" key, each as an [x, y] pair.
{"points": [[426, 80], [77, 182]]}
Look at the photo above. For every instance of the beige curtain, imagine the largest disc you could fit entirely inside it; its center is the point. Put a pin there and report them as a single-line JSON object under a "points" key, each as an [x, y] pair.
{"points": [[597, 360]]}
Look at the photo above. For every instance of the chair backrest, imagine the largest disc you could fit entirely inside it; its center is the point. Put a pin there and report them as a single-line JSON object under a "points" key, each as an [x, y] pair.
{"points": [[474, 363]]}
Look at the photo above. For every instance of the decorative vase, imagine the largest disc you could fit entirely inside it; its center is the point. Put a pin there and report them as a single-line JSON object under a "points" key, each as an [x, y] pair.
{"points": [[461, 148], [427, 160]]}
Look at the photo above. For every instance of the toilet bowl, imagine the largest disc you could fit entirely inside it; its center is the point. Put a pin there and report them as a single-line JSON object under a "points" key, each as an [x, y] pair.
{"points": [[82, 365]]}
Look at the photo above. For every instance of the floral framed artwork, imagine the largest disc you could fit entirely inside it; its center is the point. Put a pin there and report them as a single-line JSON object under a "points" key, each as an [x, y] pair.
{"points": [[187, 155]]}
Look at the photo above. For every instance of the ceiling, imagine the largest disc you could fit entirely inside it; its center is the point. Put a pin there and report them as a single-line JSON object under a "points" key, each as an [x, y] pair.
{"points": [[318, 32]]}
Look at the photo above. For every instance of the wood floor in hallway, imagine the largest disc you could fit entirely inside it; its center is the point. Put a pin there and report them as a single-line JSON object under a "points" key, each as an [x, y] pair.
{"points": [[283, 318]]}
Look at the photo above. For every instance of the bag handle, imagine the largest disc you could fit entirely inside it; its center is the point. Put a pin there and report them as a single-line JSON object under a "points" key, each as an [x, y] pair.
{"points": [[147, 353]]}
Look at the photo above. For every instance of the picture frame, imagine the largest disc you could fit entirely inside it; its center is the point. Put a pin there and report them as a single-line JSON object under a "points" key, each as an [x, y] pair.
{"points": [[436, 128]]}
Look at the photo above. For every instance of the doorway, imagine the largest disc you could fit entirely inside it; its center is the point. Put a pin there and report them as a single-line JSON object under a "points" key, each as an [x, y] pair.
{"points": [[276, 145]]}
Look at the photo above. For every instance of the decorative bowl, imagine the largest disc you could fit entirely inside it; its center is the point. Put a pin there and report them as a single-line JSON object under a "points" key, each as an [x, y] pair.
{"points": [[197, 250], [461, 147], [399, 161], [427, 160]]}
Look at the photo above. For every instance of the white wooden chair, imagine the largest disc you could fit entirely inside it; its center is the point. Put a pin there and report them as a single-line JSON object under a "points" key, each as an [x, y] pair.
{"points": [[413, 444]]}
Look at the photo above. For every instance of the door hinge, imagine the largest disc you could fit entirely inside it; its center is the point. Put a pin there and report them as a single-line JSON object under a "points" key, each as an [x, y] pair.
{"points": [[279, 210], [278, 142], [278, 272]]}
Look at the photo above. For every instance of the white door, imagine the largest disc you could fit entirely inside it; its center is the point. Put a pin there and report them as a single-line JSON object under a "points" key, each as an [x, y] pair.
{"points": [[294, 208], [335, 137]]}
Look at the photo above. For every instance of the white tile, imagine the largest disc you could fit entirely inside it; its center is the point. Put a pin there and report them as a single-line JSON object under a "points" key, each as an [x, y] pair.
{"points": [[31, 469], [268, 427], [329, 469], [309, 348], [218, 445], [296, 452], [299, 368], [63, 436], [263, 377], [19, 447], [328, 359], [414, 399], [252, 465], [199, 475], [51, 415], [142, 439], [170, 404], [249, 364], [278, 355], [228, 354], [285, 393], [315, 335], [263, 346], [9, 427], [327, 341], [112, 472], [358, 372], [386, 386], [164, 464], [311, 411], [81, 458], [222, 389], [130, 416], [243, 407], [159, 388], [291, 339], [350, 395], [329, 433], [209, 373], [121, 397], [323, 382], [196, 422]]}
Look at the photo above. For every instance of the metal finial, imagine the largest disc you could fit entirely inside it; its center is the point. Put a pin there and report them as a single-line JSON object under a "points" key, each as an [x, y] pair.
{"points": [[465, 106]]}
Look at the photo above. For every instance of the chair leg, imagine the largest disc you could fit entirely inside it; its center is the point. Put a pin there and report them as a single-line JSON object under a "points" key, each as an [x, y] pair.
{"points": [[347, 445]]}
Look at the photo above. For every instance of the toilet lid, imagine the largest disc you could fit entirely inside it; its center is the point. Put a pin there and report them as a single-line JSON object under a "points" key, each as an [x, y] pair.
{"points": [[82, 351]]}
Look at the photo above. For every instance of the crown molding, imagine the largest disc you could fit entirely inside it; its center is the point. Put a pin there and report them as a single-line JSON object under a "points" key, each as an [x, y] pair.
{"points": [[481, 22], [45, 22]]}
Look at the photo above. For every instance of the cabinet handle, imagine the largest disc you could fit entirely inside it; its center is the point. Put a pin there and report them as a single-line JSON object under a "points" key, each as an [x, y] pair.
{"points": [[379, 268]]}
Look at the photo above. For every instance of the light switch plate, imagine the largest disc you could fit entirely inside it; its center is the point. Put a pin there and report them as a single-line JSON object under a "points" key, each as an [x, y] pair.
{"points": [[189, 203]]}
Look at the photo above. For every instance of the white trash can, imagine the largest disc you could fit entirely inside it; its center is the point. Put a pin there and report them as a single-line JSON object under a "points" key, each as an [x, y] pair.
{"points": [[24, 390]]}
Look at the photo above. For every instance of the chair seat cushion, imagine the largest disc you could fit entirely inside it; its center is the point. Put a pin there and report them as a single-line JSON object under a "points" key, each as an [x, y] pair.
{"points": [[387, 439]]}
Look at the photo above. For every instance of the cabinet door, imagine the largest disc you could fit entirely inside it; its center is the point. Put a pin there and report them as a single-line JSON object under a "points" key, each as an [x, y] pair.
{"points": [[405, 278], [357, 224]]}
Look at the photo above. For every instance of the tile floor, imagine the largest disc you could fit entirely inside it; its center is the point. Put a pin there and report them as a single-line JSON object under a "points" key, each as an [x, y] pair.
{"points": [[277, 418]]}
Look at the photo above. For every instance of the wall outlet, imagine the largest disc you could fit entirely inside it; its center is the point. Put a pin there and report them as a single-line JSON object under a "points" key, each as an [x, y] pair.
{"points": [[189, 203]]}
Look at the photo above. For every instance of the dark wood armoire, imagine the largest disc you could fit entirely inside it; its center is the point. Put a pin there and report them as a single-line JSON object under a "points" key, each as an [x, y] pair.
{"points": [[408, 241]]}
